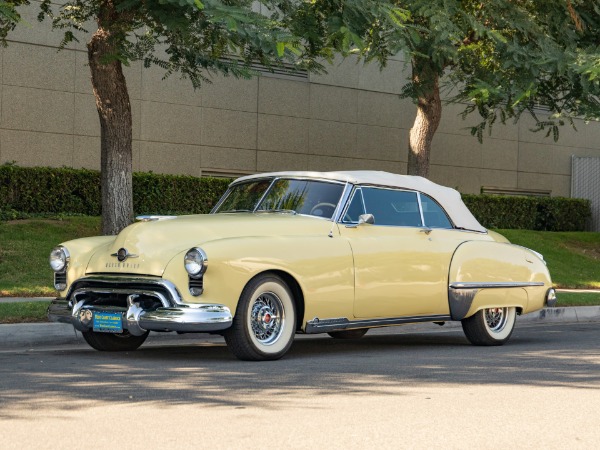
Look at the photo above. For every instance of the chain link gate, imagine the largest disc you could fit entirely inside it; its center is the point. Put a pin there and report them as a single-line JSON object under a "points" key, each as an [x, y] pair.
{"points": [[585, 183]]}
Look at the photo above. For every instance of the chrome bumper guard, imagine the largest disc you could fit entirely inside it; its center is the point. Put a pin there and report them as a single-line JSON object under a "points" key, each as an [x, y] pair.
{"points": [[173, 315]]}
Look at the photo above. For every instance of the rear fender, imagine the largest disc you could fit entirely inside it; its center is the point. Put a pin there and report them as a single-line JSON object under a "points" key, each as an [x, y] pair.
{"points": [[487, 274]]}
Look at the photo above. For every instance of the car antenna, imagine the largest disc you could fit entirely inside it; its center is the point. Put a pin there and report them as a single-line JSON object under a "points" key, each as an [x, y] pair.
{"points": [[330, 234]]}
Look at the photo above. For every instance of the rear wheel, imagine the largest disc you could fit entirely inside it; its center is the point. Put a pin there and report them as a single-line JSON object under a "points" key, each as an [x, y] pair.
{"points": [[491, 326], [265, 321], [349, 334], [109, 342]]}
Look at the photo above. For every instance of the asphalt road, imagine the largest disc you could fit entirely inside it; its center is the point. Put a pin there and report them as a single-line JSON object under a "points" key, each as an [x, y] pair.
{"points": [[406, 387]]}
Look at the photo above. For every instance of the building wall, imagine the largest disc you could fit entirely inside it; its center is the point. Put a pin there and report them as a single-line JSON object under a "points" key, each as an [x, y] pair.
{"points": [[350, 118]]}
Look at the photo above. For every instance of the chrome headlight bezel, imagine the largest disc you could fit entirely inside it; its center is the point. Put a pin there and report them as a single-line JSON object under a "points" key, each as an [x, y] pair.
{"points": [[195, 262], [59, 259]]}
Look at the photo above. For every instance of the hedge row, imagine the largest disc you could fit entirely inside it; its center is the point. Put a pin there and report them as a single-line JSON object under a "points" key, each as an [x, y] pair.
{"points": [[49, 191], [530, 213], [28, 191]]}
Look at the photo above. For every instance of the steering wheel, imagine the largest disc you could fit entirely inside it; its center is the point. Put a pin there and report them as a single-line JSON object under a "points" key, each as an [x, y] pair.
{"points": [[317, 210]]}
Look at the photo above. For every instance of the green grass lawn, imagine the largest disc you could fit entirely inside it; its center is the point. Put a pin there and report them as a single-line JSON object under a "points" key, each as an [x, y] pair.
{"points": [[573, 258], [24, 249], [23, 312]]}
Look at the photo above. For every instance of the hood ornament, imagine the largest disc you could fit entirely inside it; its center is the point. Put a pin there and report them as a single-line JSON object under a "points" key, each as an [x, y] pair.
{"points": [[123, 254]]}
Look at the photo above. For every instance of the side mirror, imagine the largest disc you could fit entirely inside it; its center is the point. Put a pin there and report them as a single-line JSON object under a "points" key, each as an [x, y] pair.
{"points": [[366, 218], [362, 219]]}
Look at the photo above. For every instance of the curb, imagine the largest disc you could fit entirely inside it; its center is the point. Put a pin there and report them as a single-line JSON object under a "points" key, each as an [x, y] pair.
{"points": [[27, 335]]}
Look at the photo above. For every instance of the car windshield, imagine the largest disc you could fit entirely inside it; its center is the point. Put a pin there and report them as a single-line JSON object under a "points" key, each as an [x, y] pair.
{"points": [[310, 197]]}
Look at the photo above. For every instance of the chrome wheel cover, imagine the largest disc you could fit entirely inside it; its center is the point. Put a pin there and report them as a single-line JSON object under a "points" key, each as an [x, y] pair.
{"points": [[495, 319], [267, 318]]}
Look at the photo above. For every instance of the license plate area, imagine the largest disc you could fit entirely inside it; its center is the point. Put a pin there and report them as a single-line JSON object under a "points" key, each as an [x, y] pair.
{"points": [[108, 322]]}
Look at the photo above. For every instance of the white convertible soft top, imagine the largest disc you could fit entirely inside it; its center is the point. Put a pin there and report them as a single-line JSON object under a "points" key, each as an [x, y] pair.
{"points": [[447, 197]]}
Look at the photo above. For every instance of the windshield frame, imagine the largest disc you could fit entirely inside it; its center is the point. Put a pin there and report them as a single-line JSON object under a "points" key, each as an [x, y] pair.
{"points": [[339, 207]]}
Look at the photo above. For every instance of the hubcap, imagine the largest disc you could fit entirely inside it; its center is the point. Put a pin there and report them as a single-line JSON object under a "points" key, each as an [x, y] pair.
{"points": [[267, 318], [495, 318]]}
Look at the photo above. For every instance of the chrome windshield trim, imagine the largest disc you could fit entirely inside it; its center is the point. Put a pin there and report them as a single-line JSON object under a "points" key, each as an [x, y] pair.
{"points": [[495, 285], [343, 203]]}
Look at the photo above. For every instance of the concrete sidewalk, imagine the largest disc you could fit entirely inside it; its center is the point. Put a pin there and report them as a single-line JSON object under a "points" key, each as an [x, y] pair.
{"points": [[29, 335]]}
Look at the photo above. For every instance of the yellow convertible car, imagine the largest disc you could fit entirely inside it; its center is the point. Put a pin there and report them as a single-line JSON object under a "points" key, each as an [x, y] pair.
{"points": [[300, 252]]}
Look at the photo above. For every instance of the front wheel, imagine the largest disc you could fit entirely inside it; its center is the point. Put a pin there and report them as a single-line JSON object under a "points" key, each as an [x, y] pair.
{"points": [[108, 342], [491, 326], [265, 321]]}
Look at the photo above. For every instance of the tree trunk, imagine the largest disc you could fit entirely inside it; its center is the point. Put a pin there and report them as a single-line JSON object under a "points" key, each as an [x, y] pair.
{"points": [[429, 113], [114, 109]]}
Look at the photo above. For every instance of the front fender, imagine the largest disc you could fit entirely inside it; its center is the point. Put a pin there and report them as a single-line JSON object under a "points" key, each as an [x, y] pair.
{"points": [[321, 265], [487, 274]]}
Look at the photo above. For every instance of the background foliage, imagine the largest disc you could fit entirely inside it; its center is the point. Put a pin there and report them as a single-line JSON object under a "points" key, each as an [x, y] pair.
{"points": [[35, 191]]}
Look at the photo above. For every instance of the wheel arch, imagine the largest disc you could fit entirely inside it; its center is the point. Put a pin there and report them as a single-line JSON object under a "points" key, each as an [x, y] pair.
{"points": [[293, 285]]}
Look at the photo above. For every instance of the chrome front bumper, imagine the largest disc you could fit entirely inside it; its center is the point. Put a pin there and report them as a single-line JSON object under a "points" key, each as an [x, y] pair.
{"points": [[190, 319], [78, 309]]}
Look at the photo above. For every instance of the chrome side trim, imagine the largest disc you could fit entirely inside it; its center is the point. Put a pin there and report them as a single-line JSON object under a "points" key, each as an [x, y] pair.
{"points": [[496, 285], [341, 323], [153, 218]]}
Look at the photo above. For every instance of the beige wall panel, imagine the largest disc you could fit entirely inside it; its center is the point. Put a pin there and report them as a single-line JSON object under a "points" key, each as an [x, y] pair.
{"points": [[87, 122], [83, 77], [37, 110], [567, 135], [343, 72], [499, 178], [86, 152], [161, 157], [230, 93], [177, 124], [39, 67], [453, 123], [561, 185], [536, 157], [170, 90], [273, 161], [381, 143], [234, 159], [332, 163], [30, 148], [36, 32], [333, 138], [532, 180], [390, 79], [333, 103], [465, 180], [281, 133], [499, 154], [385, 110], [283, 97], [455, 150], [226, 128]]}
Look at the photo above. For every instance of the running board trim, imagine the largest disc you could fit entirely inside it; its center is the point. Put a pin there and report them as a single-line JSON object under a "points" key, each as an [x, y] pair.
{"points": [[327, 325]]}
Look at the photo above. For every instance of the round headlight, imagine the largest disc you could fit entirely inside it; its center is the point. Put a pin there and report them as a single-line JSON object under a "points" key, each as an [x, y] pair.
{"points": [[195, 262], [59, 257]]}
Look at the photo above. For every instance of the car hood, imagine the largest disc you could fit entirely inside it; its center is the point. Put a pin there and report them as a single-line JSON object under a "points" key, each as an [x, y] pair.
{"points": [[151, 245]]}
